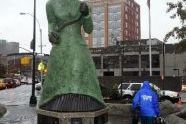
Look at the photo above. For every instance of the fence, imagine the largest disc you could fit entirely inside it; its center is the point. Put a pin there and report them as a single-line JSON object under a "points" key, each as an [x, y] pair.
{"points": [[169, 83]]}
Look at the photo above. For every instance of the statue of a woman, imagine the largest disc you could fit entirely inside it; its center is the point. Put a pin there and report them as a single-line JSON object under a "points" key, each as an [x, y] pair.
{"points": [[71, 83]]}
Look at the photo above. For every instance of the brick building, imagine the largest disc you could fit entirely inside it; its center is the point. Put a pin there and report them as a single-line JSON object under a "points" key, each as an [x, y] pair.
{"points": [[114, 20]]}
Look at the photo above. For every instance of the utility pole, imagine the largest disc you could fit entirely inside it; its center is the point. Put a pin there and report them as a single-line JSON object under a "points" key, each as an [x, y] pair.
{"points": [[139, 48], [150, 41], [33, 100], [163, 76]]}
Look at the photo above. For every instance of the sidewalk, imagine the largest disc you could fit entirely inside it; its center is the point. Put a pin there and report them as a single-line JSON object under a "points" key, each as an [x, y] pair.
{"points": [[22, 114], [2, 110], [16, 101]]}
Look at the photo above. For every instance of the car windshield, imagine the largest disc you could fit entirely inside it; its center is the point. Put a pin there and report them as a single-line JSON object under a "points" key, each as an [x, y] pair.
{"points": [[7, 80], [135, 87], [125, 86]]}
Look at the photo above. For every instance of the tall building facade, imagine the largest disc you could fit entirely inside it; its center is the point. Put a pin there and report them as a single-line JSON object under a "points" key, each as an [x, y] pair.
{"points": [[8, 47], [113, 20], [2, 46]]}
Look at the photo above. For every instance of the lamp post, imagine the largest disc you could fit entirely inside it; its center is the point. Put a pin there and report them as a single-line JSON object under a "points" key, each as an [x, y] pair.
{"points": [[40, 30], [119, 50], [163, 75], [41, 43], [33, 99]]}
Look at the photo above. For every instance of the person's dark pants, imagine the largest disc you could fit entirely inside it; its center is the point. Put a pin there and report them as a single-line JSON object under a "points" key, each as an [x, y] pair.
{"points": [[147, 120]]}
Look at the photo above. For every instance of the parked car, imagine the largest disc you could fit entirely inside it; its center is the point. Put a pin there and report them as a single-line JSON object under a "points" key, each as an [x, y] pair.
{"points": [[128, 90], [38, 86], [10, 83], [2, 85], [183, 88], [17, 81], [28, 80]]}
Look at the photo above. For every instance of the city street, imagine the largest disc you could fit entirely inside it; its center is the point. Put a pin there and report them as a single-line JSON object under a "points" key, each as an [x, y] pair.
{"points": [[19, 111], [17, 104]]}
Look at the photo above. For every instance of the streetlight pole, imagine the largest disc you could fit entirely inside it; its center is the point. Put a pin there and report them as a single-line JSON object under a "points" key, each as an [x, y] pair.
{"points": [[41, 43], [40, 30], [33, 99], [163, 75]]}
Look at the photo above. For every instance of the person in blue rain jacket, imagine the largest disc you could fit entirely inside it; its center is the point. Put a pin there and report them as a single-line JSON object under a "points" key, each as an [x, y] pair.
{"points": [[147, 101]]}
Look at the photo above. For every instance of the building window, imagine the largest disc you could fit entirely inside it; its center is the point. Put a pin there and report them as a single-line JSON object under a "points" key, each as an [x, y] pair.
{"points": [[133, 73], [126, 8], [97, 61], [137, 9], [145, 61], [129, 2], [126, 32], [155, 61], [137, 16], [126, 25], [137, 24], [132, 4], [156, 73], [126, 16], [130, 61]]}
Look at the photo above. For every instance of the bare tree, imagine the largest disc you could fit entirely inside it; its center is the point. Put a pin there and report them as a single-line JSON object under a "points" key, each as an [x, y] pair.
{"points": [[179, 10]]}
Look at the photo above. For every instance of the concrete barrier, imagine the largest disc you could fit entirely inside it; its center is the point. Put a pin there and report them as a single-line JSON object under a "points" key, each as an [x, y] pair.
{"points": [[51, 117], [123, 113]]}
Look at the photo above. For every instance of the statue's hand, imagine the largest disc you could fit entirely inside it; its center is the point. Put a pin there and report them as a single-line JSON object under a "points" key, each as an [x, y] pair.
{"points": [[53, 37], [84, 9]]}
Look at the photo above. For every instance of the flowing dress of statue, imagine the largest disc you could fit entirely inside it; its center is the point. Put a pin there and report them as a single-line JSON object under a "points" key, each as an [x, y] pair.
{"points": [[71, 83]]}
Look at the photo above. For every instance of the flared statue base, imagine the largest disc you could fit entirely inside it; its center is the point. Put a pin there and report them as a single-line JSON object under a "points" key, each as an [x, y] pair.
{"points": [[51, 117]]}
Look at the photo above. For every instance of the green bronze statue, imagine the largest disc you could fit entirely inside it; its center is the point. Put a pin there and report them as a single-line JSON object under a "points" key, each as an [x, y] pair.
{"points": [[71, 84]]}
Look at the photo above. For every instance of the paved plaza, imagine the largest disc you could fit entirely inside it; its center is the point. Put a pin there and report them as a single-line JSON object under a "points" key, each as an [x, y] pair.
{"points": [[19, 111]]}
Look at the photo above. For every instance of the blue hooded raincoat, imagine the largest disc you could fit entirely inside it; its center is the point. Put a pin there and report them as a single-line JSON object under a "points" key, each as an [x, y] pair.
{"points": [[147, 100]]}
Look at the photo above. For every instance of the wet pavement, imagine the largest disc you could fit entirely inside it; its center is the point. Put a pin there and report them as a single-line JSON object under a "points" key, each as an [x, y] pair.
{"points": [[19, 111], [17, 104]]}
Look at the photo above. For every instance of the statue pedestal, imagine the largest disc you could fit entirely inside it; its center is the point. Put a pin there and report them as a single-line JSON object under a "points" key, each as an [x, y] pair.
{"points": [[94, 117]]}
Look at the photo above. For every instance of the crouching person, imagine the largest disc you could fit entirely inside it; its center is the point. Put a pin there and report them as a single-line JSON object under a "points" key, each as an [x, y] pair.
{"points": [[147, 101]]}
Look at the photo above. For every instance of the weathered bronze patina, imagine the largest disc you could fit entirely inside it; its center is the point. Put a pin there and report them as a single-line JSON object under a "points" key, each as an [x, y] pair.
{"points": [[71, 84]]}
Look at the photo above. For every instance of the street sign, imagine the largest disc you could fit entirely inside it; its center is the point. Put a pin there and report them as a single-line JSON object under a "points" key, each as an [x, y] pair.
{"points": [[25, 60], [41, 66]]}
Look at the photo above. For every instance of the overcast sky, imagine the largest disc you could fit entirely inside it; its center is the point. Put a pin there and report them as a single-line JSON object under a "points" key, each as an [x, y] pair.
{"points": [[19, 28]]}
